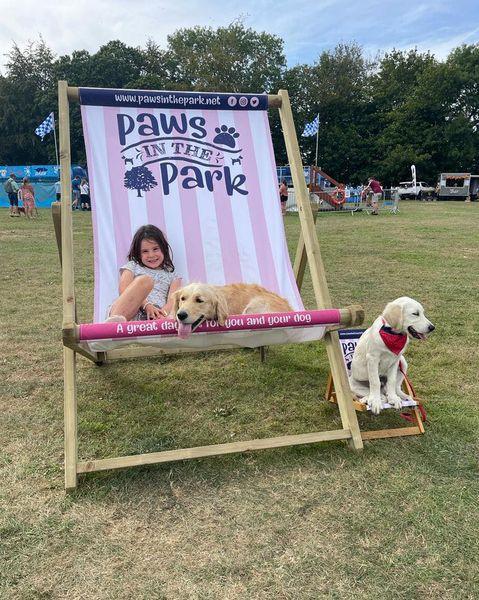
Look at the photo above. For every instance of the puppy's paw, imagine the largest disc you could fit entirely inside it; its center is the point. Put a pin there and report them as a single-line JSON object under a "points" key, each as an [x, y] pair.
{"points": [[375, 404], [394, 401]]}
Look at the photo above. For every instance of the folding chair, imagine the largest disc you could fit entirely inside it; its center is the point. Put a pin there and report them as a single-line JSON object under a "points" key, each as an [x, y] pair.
{"points": [[201, 167], [413, 410]]}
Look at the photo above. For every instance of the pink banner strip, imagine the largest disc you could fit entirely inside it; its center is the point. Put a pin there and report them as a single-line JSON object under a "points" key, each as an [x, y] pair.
{"points": [[305, 318]]}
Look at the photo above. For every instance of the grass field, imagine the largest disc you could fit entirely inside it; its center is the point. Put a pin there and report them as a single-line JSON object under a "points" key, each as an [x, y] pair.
{"points": [[398, 520]]}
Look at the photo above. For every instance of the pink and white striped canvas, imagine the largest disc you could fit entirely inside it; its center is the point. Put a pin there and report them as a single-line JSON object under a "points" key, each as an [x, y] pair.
{"points": [[199, 166]]}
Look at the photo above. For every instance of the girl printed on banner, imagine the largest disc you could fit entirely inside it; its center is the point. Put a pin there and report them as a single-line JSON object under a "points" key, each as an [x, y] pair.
{"points": [[147, 280]]}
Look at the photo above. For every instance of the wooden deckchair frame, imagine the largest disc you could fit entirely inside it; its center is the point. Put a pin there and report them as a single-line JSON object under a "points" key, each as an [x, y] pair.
{"points": [[308, 252]]}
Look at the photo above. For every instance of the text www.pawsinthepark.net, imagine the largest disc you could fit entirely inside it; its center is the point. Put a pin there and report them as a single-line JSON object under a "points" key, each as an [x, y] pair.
{"points": [[168, 99]]}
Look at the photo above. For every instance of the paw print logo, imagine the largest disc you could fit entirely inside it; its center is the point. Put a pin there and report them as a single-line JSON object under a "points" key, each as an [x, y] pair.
{"points": [[254, 101], [226, 136], [232, 101], [243, 101]]}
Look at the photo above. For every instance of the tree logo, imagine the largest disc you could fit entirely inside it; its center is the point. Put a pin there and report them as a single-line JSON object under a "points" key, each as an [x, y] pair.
{"points": [[139, 178]]}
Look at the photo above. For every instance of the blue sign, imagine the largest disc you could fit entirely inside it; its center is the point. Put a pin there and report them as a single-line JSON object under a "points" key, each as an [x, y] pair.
{"points": [[37, 172]]}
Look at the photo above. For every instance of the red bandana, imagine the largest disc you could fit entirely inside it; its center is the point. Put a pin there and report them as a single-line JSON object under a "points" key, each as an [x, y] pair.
{"points": [[393, 341]]}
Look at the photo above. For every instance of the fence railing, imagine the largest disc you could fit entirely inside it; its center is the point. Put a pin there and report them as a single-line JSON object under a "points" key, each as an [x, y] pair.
{"points": [[354, 200]]}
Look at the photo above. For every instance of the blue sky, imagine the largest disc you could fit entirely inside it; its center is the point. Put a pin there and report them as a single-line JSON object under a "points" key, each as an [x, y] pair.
{"points": [[307, 27]]}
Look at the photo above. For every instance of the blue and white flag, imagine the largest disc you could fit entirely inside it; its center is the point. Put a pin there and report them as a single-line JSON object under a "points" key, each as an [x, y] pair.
{"points": [[311, 128], [47, 126]]}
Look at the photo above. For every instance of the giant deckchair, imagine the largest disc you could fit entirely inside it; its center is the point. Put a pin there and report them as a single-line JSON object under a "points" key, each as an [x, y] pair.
{"points": [[201, 167]]}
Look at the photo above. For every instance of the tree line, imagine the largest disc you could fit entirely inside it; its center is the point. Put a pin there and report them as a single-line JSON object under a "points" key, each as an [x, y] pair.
{"points": [[376, 116]]}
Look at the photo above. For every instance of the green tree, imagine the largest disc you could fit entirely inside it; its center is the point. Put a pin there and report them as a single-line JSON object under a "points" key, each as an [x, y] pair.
{"points": [[339, 93], [24, 104], [465, 63], [422, 118], [399, 138], [228, 59]]}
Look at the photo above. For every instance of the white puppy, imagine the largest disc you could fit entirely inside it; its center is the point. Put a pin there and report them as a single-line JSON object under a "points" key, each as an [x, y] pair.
{"points": [[378, 366]]}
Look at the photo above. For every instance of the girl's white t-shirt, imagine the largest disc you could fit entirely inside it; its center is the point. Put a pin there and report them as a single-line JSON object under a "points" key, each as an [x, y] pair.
{"points": [[162, 281]]}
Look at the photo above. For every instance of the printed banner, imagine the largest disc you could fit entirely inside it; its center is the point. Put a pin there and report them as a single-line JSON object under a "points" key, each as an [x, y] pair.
{"points": [[249, 322], [205, 176]]}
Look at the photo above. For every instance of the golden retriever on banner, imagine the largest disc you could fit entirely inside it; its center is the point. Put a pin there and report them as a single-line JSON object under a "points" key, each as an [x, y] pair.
{"points": [[199, 302]]}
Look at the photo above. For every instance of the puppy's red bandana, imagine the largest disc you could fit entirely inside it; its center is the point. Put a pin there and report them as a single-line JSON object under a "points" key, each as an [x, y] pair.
{"points": [[393, 340]]}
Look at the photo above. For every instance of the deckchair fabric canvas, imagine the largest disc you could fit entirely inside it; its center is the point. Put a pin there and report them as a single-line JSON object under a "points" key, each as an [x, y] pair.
{"points": [[232, 233], [206, 177]]}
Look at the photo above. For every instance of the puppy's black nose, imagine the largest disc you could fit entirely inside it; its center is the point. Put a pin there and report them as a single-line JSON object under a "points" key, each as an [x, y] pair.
{"points": [[431, 327], [182, 314]]}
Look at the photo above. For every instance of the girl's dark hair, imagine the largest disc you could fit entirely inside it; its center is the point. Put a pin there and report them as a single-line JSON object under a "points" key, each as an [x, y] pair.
{"points": [[151, 232]]}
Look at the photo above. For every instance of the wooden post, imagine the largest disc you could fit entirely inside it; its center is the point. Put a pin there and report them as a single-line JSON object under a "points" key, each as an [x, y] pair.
{"points": [[57, 224], [70, 411], [69, 309], [318, 275]]}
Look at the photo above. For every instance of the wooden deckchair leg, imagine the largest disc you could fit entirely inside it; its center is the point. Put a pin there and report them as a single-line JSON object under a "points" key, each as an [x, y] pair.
{"points": [[70, 410], [418, 419], [262, 354], [344, 396], [318, 276], [69, 305], [329, 388]]}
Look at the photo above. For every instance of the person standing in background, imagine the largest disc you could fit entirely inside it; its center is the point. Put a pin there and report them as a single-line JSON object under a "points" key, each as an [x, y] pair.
{"points": [[283, 196], [85, 195], [377, 193], [11, 188], [76, 192], [27, 194], [58, 190]]}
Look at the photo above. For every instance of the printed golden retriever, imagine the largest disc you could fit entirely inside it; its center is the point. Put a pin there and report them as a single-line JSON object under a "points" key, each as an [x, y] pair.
{"points": [[198, 302]]}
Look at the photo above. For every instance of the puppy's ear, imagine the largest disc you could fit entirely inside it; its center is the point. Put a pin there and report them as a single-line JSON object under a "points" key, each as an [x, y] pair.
{"points": [[221, 309], [176, 302], [393, 315]]}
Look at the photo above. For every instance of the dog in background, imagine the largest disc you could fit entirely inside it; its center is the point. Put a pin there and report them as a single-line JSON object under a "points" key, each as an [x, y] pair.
{"points": [[378, 366], [198, 302]]}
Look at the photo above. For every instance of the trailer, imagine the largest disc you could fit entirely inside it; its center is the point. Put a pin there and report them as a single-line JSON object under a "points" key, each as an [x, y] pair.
{"points": [[458, 186]]}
